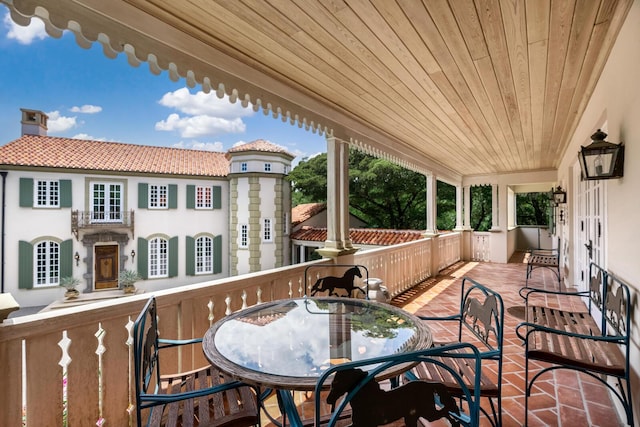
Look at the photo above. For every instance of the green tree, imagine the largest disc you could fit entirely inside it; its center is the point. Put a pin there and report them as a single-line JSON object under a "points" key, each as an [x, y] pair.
{"points": [[481, 207], [532, 208], [381, 193], [309, 180], [446, 197]]}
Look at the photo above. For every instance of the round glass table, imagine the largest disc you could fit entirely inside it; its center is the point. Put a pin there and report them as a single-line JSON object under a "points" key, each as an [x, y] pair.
{"points": [[287, 344]]}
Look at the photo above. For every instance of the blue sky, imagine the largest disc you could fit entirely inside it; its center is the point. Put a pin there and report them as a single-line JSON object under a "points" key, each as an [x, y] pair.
{"points": [[88, 95]]}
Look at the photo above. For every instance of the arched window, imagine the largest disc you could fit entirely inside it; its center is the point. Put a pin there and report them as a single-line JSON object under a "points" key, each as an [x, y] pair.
{"points": [[47, 263], [158, 257], [204, 255]]}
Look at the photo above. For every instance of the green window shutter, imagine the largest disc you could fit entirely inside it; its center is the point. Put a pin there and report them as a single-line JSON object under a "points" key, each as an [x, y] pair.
{"points": [[217, 254], [66, 258], [26, 192], [143, 258], [191, 196], [143, 196], [65, 193], [25, 265], [173, 257], [191, 256], [217, 197], [173, 196]]}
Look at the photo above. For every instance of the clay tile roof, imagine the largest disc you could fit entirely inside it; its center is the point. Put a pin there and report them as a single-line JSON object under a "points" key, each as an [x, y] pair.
{"points": [[260, 145], [67, 153], [361, 236], [305, 211]]}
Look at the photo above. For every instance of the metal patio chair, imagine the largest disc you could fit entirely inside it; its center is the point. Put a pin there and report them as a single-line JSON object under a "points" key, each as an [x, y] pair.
{"points": [[201, 397], [480, 321], [355, 390]]}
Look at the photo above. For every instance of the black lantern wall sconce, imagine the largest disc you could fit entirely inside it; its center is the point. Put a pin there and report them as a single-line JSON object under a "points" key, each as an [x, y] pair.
{"points": [[133, 254], [601, 159], [77, 258], [559, 197]]}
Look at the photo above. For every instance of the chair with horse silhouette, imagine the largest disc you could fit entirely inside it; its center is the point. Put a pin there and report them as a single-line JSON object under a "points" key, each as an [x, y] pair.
{"points": [[342, 286], [480, 322], [201, 397], [358, 389]]}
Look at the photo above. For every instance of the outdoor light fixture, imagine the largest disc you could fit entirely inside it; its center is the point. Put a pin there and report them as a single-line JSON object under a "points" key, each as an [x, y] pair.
{"points": [[601, 159], [559, 195], [77, 258], [133, 255]]}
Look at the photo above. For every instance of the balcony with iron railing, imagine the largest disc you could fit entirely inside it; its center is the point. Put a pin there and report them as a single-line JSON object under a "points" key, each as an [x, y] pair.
{"points": [[96, 220]]}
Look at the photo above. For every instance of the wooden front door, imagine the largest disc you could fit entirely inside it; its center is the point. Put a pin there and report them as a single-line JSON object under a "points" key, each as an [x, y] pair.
{"points": [[106, 267]]}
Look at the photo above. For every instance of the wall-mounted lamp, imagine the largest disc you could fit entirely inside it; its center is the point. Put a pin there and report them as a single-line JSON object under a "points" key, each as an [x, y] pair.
{"points": [[133, 254], [77, 258], [601, 159], [559, 195]]}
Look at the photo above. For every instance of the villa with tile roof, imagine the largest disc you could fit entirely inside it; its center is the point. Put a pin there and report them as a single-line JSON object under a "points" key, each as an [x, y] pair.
{"points": [[309, 232], [89, 209]]}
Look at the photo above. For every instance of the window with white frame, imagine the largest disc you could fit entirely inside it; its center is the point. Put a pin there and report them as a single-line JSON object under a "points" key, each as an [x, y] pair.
{"points": [[158, 196], [267, 167], [158, 257], [47, 263], [106, 203], [47, 193], [204, 197], [244, 235], [267, 232], [204, 255]]}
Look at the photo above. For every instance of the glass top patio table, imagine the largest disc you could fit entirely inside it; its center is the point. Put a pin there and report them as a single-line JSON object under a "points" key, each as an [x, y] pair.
{"points": [[287, 344]]}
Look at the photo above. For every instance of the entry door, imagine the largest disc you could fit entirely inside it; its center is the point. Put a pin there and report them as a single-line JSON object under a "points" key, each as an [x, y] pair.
{"points": [[106, 267], [590, 226]]}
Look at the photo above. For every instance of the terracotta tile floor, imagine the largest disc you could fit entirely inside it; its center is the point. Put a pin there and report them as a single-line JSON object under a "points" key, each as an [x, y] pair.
{"points": [[559, 398]]}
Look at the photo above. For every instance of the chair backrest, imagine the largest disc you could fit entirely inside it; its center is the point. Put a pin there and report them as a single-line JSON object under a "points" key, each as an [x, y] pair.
{"points": [[339, 285], [371, 405], [482, 313], [617, 310], [145, 352]]}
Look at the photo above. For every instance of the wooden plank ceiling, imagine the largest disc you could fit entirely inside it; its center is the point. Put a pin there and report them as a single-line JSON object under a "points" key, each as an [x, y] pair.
{"points": [[475, 86]]}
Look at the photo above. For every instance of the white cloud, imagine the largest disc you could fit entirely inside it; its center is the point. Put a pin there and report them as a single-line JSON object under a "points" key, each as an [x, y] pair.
{"points": [[198, 126], [58, 123], [88, 137], [24, 35], [201, 114], [86, 109], [197, 145], [203, 104]]}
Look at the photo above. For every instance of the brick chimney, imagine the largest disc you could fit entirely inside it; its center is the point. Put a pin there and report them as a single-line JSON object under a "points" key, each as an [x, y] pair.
{"points": [[34, 122]]}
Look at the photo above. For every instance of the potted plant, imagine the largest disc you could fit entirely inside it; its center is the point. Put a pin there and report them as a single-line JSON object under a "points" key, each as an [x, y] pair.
{"points": [[127, 279], [70, 283]]}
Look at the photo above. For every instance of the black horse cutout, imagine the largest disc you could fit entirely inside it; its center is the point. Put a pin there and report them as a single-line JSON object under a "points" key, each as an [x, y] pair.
{"points": [[331, 283], [372, 406]]}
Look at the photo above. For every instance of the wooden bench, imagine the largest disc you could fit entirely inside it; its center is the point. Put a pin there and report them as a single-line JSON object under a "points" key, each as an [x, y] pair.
{"points": [[594, 341], [543, 258]]}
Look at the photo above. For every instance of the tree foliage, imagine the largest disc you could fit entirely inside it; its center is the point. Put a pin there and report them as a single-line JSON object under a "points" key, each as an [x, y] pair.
{"points": [[381, 193], [446, 197], [532, 209]]}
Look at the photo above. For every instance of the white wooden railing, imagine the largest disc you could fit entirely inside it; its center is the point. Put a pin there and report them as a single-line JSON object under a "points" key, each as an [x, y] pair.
{"points": [[73, 366], [481, 246], [448, 249]]}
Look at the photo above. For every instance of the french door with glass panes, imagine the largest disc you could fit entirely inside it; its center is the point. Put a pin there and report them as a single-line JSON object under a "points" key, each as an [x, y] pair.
{"points": [[106, 202], [589, 245]]}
